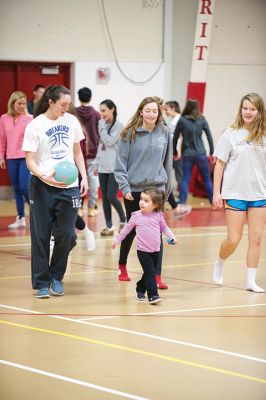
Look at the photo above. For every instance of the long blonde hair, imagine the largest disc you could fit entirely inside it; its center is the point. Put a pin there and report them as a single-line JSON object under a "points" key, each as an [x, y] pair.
{"points": [[258, 128], [137, 119], [12, 99]]}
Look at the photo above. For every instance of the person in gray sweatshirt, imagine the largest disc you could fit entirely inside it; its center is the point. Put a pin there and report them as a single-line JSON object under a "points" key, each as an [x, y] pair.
{"points": [[143, 159], [109, 129]]}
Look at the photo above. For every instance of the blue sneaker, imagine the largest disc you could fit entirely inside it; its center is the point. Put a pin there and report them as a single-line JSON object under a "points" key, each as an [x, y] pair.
{"points": [[140, 296], [57, 288], [43, 293]]}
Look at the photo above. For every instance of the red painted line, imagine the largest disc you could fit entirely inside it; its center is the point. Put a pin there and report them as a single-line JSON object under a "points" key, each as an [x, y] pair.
{"points": [[137, 273]]}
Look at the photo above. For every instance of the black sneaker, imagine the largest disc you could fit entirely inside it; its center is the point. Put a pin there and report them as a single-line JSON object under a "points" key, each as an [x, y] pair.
{"points": [[140, 296], [155, 299]]}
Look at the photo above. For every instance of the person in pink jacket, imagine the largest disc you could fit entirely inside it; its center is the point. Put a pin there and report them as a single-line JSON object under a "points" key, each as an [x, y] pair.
{"points": [[12, 129], [149, 224]]}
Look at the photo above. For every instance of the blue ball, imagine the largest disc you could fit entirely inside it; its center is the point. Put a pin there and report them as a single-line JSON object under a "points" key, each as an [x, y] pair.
{"points": [[66, 171], [170, 241]]}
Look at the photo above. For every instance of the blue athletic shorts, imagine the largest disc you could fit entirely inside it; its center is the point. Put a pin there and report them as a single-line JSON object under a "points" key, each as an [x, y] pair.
{"points": [[243, 205]]}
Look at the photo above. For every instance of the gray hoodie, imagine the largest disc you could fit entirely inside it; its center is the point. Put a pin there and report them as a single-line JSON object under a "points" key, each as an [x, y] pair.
{"points": [[145, 161], [107, 148]]}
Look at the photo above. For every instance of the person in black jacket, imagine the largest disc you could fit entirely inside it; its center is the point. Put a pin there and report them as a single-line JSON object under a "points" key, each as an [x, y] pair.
{"points": [[191, 124]]}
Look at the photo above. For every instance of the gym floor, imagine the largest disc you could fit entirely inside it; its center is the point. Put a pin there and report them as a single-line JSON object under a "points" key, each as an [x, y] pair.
{"points": [[98, 342]]}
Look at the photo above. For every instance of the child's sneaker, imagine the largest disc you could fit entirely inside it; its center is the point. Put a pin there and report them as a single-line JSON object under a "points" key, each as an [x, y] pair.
{"points": [[154, 299], [140, 296], [57, 288], [43, 293]]}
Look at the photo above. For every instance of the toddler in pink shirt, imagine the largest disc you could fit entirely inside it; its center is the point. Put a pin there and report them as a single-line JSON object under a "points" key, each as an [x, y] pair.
{"points": [[149, 224]]}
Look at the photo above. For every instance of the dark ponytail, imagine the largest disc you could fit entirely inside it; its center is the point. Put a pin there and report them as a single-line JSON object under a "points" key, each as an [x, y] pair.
{"points": [[52, 92], [111, 105]]}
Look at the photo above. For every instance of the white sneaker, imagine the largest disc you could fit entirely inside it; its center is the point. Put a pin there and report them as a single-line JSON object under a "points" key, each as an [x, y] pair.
{"points": [[182, 210], [19, 223], [89, 239]]}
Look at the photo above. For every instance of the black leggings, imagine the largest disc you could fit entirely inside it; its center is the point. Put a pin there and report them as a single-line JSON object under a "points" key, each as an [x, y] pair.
{"points": [[131, 206], [109, 188], [80, 224]]}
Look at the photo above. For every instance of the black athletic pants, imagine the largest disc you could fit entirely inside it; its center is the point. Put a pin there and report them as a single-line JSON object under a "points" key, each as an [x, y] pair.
{"points": [[52, 210], [148, 262]]}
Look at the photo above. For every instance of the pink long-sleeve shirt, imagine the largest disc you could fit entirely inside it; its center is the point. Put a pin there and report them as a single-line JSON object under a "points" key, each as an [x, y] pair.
{"points": [[12, 134], [148, 230]]}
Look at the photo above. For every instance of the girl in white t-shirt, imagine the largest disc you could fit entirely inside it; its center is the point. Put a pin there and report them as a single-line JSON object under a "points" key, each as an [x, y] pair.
{"points": [[240, 185], [53, 136]]}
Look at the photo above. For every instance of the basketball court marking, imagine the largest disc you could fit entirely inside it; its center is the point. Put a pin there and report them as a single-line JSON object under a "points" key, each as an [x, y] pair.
{"points": [[142, 334], [137, 351], [181, 235], [71, 380]]}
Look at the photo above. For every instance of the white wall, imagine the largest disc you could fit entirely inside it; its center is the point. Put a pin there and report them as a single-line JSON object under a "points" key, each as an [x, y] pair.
{"points": [[184, 20], [74, 31], [237, 61], [67, 30], [125, 95]]}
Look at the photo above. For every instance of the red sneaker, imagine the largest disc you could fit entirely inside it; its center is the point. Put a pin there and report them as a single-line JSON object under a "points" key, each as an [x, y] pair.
{"points": [[122, 273], [160, 283]]}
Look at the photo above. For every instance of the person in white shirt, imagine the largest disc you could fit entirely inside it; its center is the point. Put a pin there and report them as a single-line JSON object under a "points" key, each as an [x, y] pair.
{"points": [[240, 185], [51, 137]]}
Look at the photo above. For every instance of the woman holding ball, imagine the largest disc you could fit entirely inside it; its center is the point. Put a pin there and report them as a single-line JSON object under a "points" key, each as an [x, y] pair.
{"points": [[53, 136]]}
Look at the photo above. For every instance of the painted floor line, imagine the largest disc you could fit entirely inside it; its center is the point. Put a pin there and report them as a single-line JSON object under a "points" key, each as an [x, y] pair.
{"points": [[103, 269], [138, 351], [184, 235], [71, 380], [154, 337]]}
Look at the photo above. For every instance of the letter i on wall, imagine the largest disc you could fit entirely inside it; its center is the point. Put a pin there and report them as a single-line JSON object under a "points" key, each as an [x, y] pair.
{"points": [[197, 84]]}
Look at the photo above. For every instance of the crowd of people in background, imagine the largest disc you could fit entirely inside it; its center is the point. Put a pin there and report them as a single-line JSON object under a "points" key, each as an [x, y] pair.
{"points": [[158, 142]]}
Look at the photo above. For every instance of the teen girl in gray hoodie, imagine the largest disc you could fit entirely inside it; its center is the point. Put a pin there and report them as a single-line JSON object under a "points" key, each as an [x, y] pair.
{"points": [[144, 159]]}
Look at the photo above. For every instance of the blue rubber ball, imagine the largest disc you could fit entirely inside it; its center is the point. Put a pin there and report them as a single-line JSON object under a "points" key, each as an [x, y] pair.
{"points": [[66, 171]]}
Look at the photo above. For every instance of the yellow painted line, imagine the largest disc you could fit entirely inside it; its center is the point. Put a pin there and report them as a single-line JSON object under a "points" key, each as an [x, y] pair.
{"points": [[67, 273], [137, 351], [132, 270]]}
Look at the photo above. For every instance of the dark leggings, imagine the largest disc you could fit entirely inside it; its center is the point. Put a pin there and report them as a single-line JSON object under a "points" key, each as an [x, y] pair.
{"points": [[109, 188], [131, 206], [172, 201], [80, 224]]}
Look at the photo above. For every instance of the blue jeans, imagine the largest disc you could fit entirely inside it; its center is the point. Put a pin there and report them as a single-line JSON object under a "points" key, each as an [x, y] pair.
{"points": [[203, 166], [19, 176]]}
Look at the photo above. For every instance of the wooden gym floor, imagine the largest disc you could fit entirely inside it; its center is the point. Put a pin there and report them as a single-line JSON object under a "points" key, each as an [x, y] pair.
{"points": [[98, 343]]}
